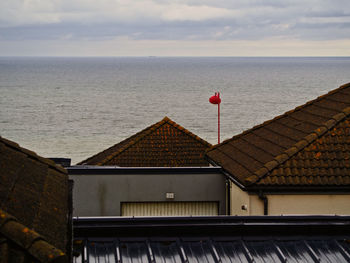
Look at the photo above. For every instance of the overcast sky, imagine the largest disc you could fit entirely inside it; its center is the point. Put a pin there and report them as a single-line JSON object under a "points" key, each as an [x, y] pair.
{"points": [[175, 27]]}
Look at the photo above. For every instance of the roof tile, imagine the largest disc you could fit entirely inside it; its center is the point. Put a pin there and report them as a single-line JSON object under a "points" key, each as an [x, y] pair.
{"points": [[320, 111], [330, 123], [301, 144], [298, 125], [291, 151], [339, 97], [247, 161], [320, 131], [273, 137], [28, 243], [282, 158], [346, 111], [340, 116], [311, 137], [271, 148], [47, 253], [308, 117], [232, 165], [163, 144], [20, 234], [316, 154], [252, 150], [24, 184], [286, 131], [271, 165]]}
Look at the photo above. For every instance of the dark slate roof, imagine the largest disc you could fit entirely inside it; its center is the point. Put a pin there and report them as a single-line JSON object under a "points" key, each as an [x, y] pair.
{"points": [[35, 191], [308, 146], [215, 239], [163, 144]]}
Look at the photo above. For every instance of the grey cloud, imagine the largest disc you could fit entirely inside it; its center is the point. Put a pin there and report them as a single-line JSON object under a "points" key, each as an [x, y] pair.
{"points": [[176, 20]]}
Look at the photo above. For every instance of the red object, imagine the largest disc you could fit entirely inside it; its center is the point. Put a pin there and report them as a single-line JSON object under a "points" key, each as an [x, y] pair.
{"points": [[216, 100]]}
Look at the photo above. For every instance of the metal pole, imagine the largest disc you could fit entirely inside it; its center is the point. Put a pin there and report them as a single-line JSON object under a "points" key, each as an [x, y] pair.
{"points": [[219, 123]]}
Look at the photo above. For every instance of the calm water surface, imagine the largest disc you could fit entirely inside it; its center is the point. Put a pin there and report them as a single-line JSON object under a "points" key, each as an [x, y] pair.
{"points": [[76, 107]]}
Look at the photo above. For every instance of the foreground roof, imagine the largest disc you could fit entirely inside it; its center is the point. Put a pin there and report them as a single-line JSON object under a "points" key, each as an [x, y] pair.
{"points": [[307, 146], [213, 239], [35, 191], [163, 144], [17, 242]]}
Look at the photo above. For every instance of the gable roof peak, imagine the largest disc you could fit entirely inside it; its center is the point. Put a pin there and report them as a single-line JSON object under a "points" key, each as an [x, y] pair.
{"points": [[166, 118], [153, 139]]}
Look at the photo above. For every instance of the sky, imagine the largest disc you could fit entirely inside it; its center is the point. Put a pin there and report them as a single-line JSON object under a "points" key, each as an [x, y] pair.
{"points": [[174, 27]]}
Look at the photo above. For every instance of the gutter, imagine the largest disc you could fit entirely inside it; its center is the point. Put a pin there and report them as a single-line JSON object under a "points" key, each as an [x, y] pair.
{"points": [[298, 189], [228, 194], [93, 169], [217, 225], [345, 189], [263, 197]]}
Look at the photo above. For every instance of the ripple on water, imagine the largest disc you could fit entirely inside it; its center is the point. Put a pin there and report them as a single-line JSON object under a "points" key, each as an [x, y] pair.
{"points": [[76, 107]]}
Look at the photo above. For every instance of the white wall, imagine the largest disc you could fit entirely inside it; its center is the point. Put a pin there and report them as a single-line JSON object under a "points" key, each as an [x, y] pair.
{"points": [[288, 204], [239, 198], [309, 204]]}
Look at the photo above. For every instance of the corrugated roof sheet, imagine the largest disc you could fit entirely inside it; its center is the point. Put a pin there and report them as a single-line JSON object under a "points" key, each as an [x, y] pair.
{"points": [[163, 144], [229, 239], [35, 191], [211, 250], [308, 146]]}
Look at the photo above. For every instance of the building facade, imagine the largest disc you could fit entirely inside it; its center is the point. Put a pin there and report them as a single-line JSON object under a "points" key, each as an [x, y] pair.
{"points": [[296, 163], [116, 191]]}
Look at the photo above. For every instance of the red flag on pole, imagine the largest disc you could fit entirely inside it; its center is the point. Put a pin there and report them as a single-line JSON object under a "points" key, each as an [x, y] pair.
{"points": [[216, 100]]}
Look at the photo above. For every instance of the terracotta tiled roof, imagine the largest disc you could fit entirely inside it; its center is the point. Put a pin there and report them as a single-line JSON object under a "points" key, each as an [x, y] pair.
{"points": [[21, 244], [35, 191], [308, 146], [163, 144]]}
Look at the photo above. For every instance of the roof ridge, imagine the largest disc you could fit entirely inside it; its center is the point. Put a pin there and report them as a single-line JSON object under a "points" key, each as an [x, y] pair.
{"points": [[28, 239], [287, 113], [298, 146], [147, 131], [184, 130], [33, 155]]}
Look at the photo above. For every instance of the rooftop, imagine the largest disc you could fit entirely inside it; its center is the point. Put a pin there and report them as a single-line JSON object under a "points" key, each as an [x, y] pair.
{"points": [[213, 239], [163, 144], [33, 197], [19, 242], [307, 146]]}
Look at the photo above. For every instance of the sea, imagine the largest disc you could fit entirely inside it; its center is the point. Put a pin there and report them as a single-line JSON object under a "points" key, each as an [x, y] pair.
{"points": [[75, 107]]}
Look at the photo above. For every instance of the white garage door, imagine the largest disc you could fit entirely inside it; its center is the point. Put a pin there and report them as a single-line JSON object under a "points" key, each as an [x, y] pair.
{"points": [[170, 209]]}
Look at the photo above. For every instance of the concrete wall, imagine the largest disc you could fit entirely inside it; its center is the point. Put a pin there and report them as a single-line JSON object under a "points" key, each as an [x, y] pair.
{"points": [[278, 204], [101, 194]]}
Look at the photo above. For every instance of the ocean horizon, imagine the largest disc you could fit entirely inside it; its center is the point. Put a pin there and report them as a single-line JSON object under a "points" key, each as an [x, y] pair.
{"points": [[75, 107]]}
